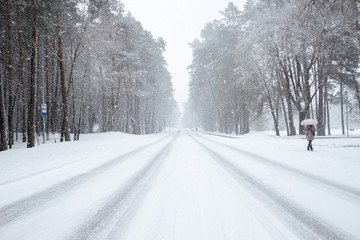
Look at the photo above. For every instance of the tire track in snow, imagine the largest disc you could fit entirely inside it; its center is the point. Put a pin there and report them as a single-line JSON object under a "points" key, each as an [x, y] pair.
{"points": [[111, 221], [348, 192], [38, 173], [22, 207], [305, 224]]}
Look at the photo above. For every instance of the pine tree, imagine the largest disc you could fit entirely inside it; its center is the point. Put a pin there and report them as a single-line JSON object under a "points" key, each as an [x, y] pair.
{"points": [[32, 80]]}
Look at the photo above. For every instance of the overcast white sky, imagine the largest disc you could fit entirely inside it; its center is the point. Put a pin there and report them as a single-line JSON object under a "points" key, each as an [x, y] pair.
{"points": [[178, 22]]}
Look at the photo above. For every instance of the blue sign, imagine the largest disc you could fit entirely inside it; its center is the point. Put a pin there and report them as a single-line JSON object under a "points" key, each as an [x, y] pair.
{"points": [[43, 109]]}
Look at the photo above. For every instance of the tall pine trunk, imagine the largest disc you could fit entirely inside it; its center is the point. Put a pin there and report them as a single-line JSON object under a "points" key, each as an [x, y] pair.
{"points": [[21, 76], [48, 93], [10, 78], [81, 113], [3, 145], [32, 84], [53, 96], [65, 129]]}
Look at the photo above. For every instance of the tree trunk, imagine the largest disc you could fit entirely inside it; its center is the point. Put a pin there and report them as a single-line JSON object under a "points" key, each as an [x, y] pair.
{"points": [[65, 129], [48, 93], [81, 112], [244, 122], [53, 96], [327, 107], [74, 112], [275, 117], [237, 132], [22, 77], [342, 107], [320, 113], [357, 90], [32, 85], [127, 113], [153, 116], [289, 104], [137, 100], [103, 111], [283, 107], [302, 116], [113, 95], [285, 117], [3, 145], [10, 78], [291, 117], [274, 110]]}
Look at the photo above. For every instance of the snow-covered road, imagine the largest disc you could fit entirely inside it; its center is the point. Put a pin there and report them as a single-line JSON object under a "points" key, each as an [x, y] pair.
{"points": [[182, 185]]}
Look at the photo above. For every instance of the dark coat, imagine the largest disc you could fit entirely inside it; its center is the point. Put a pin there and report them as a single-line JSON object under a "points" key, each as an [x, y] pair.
{"points": [[310, 132]]}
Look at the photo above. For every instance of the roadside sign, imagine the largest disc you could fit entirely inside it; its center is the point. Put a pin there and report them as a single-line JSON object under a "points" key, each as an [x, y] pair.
{"points": [[43, 109]]}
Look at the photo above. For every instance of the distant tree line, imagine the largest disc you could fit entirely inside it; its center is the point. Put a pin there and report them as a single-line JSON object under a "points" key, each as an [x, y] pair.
{"points": [[290, 58], [94, 66]]}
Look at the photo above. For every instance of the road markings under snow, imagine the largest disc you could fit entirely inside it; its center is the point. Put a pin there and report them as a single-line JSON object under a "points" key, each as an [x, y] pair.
{"points": [[30, 204], [181, 187], [110, 221]]}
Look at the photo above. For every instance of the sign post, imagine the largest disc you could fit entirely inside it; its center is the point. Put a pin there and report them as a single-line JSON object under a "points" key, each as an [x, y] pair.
{"points": [[44, 114], [43, 106]]}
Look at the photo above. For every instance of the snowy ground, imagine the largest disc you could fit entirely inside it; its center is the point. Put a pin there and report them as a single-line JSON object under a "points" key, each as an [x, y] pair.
{"points": [[182, 185]]}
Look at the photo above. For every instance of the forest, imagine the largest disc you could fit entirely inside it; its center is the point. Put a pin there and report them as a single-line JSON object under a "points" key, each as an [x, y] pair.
{"points": [[94, 67], [69, 67], [287, 59]]}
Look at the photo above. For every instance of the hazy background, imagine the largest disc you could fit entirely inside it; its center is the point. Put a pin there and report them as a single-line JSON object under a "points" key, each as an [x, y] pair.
{"points": [[178, 22]]}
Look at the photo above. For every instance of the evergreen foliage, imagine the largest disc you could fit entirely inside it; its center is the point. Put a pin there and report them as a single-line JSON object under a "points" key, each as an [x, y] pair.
{"points": [[288, 58], [95, 67]]}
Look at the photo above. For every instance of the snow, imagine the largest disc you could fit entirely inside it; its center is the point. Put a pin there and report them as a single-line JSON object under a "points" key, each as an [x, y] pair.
{"points": [[182, 185]]}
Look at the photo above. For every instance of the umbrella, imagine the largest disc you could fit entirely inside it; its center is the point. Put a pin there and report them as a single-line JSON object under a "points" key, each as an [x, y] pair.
{"points": [[309, 122]]}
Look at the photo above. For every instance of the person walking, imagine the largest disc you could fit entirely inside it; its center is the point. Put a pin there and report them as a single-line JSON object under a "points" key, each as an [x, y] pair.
{"points": [[310, 135]]}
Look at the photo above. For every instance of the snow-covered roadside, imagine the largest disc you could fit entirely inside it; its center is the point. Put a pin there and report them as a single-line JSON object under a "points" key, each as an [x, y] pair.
{"points": [[26, 171], [61, 198], [336, 156], [325, 182], [21, 162]]}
